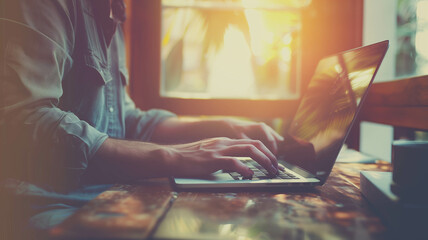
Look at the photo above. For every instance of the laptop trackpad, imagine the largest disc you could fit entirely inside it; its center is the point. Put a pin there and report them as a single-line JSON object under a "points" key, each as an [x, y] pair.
{"points": [[215, 177], [222, 177]]}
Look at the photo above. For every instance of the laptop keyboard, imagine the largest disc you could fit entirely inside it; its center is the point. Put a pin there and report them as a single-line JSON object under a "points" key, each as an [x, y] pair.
{"points": [[260, 173]]}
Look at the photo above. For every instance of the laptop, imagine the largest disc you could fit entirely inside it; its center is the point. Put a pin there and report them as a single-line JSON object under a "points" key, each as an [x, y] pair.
{"points": [[319, 128]]}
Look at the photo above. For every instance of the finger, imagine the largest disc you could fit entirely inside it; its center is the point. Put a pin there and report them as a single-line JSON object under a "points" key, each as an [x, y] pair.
{"points": [[242, 135], [276, 137], [259, 145], [249, 150], [235, 165], [272, 142]]}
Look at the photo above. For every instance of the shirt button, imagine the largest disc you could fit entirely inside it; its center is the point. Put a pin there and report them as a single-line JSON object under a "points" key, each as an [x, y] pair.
{"points": [[111, 109]]}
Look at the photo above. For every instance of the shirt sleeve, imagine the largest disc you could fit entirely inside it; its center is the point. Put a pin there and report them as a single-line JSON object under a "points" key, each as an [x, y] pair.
{"points": [[140, 125], [38, 141]]}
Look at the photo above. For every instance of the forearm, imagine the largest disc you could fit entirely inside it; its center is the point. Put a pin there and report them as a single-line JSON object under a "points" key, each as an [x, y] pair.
{"points": [[123, 160], [184, 130]]}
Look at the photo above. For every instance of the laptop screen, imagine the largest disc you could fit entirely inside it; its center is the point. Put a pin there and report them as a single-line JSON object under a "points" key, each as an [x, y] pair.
{"points": [[329, 106]]}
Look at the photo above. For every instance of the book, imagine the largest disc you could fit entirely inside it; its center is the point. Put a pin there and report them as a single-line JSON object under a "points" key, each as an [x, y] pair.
{"points": [[348, 155], [402, 218]]}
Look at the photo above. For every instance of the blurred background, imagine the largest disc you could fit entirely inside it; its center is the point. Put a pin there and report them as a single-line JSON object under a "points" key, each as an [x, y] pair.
{"points": [[254, 58]]}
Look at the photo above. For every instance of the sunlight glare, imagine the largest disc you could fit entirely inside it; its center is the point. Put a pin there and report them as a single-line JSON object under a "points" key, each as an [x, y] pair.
{"points": [[286, 54], [338, 68], [231, 73], [287, 39], [261, 36], [361, 79]]}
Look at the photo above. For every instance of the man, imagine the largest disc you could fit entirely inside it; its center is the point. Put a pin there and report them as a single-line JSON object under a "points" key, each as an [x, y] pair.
{"points": [[64, 111]]}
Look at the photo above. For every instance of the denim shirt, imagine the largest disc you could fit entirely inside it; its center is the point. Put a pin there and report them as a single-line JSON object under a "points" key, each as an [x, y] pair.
{"points": [[62, 90]]}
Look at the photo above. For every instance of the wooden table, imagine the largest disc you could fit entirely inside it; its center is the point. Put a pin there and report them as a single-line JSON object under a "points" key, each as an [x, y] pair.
{"points": [[336, 210]]}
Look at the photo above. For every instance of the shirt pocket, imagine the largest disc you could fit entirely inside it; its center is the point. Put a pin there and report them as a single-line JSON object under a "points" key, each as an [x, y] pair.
{"points": [[100, 68], [85, 94]]}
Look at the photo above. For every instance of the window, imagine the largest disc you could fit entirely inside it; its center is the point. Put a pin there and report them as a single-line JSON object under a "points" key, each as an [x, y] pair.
{"points": [[177, 62], [412, 38], [231, 49]]}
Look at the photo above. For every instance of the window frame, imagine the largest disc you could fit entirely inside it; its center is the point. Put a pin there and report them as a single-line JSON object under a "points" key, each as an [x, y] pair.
{"points": [[143, 37]]}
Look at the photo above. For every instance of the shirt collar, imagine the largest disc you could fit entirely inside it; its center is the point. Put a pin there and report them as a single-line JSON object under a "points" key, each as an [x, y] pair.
{"points": [[109, 14]]}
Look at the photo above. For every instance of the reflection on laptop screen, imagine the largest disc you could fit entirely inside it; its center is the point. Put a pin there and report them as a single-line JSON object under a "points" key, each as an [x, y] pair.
{"points": [[331, 102]]}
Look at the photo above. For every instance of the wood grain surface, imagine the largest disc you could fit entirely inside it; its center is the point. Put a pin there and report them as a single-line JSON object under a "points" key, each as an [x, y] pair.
{"points": [[122, 212], [152, 209]]}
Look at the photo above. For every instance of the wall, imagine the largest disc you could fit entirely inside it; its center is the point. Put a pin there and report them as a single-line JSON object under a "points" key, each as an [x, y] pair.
{"points": [[379, 23]]}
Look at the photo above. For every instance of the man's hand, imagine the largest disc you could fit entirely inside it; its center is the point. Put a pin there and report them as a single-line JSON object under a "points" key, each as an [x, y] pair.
{"points": [[239, 129], [207, 156], [137, 160]]}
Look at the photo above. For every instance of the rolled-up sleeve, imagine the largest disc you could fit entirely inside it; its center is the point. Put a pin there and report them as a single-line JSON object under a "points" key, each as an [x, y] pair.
{"points": [[38, 141], [140, 125]]}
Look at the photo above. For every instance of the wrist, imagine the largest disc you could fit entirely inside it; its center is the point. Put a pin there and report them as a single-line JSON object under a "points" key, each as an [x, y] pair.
{"points": [[167, 158], [123, 159]]}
